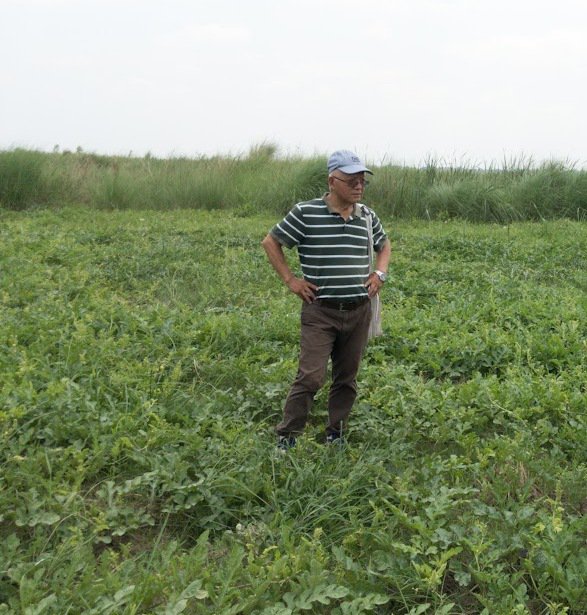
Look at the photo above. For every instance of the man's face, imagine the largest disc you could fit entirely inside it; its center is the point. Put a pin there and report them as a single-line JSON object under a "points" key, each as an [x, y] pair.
{"points": [[348, 188]]}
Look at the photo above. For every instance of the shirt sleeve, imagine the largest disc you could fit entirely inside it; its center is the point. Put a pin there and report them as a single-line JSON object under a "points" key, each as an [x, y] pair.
{"points": [[291, 231], [379, 234]]}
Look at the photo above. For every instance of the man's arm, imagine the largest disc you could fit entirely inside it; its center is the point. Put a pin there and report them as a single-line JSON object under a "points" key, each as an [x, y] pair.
{"points": [[303, 289], [382, 259]]}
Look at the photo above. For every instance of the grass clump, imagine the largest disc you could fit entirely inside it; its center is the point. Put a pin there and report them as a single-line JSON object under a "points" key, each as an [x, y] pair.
{"points": [[553, 191], [21, 178]]}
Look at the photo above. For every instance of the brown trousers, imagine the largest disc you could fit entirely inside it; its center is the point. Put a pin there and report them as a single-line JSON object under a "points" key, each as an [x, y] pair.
{"points": [[340, 335]]}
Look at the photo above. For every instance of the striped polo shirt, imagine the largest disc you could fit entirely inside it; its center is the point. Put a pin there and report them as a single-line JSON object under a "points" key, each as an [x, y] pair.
{"points": [[333, 251]]}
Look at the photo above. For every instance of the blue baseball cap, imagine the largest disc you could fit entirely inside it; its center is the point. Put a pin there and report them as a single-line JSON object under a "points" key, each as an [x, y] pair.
{"points": [[347, 162]]}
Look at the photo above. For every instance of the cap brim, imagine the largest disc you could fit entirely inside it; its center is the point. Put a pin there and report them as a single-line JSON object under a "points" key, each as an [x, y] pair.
{"points": [[355, 168]]}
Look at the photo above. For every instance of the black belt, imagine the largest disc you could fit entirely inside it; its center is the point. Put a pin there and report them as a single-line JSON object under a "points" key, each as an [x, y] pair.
{"points": [[341, 306]]}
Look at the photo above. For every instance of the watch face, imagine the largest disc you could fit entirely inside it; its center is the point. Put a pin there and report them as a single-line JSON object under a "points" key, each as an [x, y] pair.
{"points": [[382, 276]]}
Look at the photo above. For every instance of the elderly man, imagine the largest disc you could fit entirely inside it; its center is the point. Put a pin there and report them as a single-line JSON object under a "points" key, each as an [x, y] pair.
{"points": [[331, 237]]}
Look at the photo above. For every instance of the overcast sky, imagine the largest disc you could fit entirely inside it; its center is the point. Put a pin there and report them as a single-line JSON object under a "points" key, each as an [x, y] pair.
{"points": [[396, 80]]}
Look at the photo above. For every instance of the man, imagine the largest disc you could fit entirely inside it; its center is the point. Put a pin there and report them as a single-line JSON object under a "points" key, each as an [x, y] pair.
{"points": [[330, 234]]}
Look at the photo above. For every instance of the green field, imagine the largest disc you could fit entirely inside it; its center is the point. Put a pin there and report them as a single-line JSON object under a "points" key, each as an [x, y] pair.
{"points": [[145, 356]]}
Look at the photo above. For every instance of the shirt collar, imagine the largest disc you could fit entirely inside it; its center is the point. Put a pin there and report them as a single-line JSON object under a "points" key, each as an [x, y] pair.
{"points": [[357, 210]]}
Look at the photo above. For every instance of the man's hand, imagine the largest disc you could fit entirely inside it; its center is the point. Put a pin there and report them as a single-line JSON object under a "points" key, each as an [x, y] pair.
{"points": [[373, 285], [302, 288]]}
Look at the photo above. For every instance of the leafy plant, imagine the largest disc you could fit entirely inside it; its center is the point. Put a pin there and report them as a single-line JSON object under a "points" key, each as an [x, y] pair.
{"points": [[144, 358]]}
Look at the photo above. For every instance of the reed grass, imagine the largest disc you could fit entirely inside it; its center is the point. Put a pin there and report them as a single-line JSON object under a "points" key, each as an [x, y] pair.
{"points": [[262, 181]]}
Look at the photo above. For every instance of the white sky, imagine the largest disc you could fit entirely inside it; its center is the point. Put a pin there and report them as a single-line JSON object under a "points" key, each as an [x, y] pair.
{"points": [[479, 81]]}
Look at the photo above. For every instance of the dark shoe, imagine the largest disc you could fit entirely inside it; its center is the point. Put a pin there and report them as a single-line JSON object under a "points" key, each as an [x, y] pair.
{"points": [[285, 443], [334, 437]]}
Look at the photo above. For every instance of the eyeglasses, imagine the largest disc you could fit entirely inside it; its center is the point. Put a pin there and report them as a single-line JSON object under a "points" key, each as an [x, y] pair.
{"points": [[353, 183]]}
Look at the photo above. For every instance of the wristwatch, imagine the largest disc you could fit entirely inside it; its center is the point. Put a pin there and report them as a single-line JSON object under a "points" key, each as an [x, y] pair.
{"points": [[381, 275]]}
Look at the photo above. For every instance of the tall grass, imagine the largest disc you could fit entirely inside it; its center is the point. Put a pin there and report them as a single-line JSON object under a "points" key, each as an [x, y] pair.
{"points": [[20, 178], [263, 181]]}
